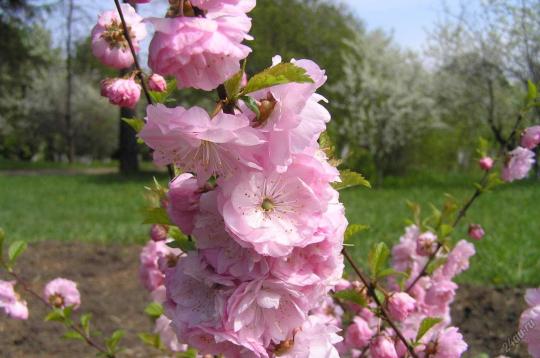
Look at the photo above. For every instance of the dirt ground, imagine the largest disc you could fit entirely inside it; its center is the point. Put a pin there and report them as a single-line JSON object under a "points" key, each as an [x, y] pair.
{"points": [[107, 277]]}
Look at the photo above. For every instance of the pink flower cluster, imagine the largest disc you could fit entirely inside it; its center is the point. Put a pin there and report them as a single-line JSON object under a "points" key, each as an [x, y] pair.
{"points": [[529, 323], [257, 200], [13, 305], [201, 43], [61, 293], [431, 296]]}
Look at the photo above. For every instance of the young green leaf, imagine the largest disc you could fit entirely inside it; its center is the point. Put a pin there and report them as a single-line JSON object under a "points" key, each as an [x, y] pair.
{"points": [[156, 216], [85, 323], [15, 250], [112, 342], [56, 315], [190, 353], [483, 147], [351, 296], [277, 75], [354, 229], [426, 324], [532, 92], [252, 105], [232, 85], [71, 334], [162, 97], [378, 258], [135, 123], [150, 339], [326, 145], [154, 310], [350, 179]]}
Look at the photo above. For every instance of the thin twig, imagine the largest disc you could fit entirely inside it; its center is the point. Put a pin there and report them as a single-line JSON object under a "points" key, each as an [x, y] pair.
{"points": [[70, 325], [371, 291]]}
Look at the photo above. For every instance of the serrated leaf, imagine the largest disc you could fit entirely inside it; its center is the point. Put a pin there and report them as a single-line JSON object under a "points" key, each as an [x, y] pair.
{"points": [[190, 353], [378, 258], [426, 324], [156, 216], [251, 103], [154, 310], [277, 75], [112, 342], [351, 296], [161, 97], [15, 250], [85, 323], [56, 315], [327, 145], [350, 179], [532, 92], [136, 123], [181, 241], [354, 229], [72, 335], [232, 85], [150, 339]]}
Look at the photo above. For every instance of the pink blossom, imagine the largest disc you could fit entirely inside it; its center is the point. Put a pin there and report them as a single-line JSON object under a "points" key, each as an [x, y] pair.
{"points": [[425, 245], [167, 335], [157, 83], [531, 137], [190, 139], [202, 52], [450, 344], [518, 164], [441, 292], [158, 232], [316, 338], [404, 256], [358, 334], [121, 92], [108, 42], [382, 347], [458, 259], [400, 305], [151, 269], [266, 309], [529, 322], [486, 163], [62, 293], [476, 232], [183, 199], [10, 301]]}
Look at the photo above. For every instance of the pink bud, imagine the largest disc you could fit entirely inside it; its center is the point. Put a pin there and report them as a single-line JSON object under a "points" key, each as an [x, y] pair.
{"points": [[121, 92], [62, 293], [358, 334], [157, 83], [400, 305], [486, 163], [383, 347], [158, 232], [476, 231], [531, 137], [425, 244]]}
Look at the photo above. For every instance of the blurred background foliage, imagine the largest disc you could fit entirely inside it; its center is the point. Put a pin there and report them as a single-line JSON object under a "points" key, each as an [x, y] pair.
{"points": [[394, 110]]}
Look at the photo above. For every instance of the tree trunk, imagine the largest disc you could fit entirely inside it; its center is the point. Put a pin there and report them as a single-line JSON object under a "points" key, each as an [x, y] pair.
{"points": [[69, 87]]}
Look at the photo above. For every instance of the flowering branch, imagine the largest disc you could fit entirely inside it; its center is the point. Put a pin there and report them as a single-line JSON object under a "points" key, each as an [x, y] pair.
{"points": [[86, 337], [371, 292]]}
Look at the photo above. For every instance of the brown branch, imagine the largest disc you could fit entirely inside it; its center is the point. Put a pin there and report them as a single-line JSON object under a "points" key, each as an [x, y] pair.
{"points": [[69, 324], [371, 291]]}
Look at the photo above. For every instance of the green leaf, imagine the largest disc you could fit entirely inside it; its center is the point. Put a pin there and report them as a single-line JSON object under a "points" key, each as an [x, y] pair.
{"points": [[135, 123], [426, 324], [154, 310], [156, 216], [151, 339], [350, 179], [277, 75], [232, 85], [391, 272], [72, 335], [251, 103], [493, 181], [2, 238], [327, 145], [532, 92], [483, 147], [435, 264], [190, 353], [354, 229], [181, 241], [351, 296], [378, 258], [85, 323], [445, 230], [15, 250], [56, 315], [161, 97], [112, 342]]}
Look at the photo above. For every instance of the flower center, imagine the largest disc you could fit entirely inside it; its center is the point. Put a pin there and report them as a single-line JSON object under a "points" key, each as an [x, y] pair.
{"points": [[266, 107], [183, 8], [56, 300], [114, 35], [267, 204]]}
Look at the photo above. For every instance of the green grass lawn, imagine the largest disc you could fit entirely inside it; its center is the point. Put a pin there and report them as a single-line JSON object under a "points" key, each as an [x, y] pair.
{"points": [[108, 208]]}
